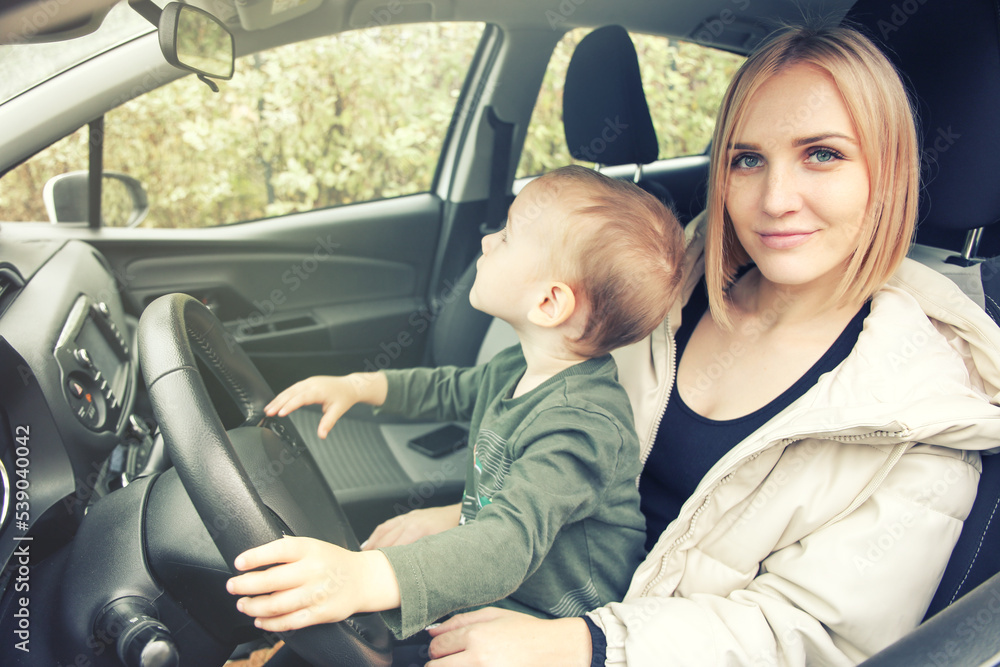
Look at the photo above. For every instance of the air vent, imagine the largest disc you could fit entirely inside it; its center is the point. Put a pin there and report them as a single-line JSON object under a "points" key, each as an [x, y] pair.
{"points": [[11, 283]]}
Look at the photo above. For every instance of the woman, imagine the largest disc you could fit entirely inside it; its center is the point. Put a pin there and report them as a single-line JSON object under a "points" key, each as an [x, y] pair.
{"points": [[816, 457]]}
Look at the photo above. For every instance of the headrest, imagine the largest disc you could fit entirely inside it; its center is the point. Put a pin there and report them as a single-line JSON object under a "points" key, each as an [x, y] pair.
{"points": [[949, 54], [605, 115]]}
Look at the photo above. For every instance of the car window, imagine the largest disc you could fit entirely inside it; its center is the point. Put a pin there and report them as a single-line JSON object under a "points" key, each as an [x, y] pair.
{"points": [[684, 85], [350, 118]]}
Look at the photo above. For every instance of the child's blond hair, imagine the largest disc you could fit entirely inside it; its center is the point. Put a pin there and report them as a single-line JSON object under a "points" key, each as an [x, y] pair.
{"points": [[621, 254]]}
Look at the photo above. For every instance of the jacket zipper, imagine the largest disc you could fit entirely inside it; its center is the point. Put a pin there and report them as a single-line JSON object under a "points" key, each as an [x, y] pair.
{"points": [[783, 443], [672, 350], [694, 520]]}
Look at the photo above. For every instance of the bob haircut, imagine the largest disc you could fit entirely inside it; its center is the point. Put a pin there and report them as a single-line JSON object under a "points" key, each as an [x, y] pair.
{"points": [[884, 121]]}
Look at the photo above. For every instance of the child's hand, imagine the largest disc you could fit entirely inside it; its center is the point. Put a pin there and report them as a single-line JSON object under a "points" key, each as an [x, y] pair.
{"points": [[335, 394], [410, 527], [311, 582], [493, 636]]}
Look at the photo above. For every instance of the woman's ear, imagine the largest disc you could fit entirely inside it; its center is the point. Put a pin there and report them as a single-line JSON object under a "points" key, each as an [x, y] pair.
{"points": [[556, 305]]}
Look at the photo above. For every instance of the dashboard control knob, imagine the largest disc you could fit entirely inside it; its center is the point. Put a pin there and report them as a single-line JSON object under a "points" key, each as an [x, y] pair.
{"points": [[83, 356], [137, 427]]}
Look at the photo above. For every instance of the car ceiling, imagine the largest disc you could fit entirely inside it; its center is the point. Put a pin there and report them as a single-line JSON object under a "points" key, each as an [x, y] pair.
{"points": [[732, 24]]}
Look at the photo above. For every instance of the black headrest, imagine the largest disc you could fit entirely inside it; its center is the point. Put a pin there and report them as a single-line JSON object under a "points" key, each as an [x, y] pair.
{"points": [[950, 55], [605, 115]]}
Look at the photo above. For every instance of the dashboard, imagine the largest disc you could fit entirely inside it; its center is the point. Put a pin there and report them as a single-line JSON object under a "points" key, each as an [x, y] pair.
{"points": [[92, 519], [68, 386]]}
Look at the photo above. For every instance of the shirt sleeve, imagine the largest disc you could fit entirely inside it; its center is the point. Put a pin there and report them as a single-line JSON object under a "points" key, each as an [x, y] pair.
{"points": [[598, 643], [558, 479], [446, 393]]}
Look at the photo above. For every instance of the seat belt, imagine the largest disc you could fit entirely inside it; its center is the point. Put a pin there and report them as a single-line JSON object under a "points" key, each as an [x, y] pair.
{"points": [[496, 204]]}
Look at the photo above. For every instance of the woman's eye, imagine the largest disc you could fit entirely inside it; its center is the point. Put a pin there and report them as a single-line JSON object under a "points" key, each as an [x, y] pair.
{"points": [[824, 155], [747, 161]]}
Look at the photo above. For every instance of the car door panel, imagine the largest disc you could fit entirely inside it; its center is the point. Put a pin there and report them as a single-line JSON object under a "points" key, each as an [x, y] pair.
{"points": [[328, 291]]}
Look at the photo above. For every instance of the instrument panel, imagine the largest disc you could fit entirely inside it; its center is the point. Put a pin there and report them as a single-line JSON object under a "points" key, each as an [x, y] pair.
{"points": [[68, 382], [94, 360]]}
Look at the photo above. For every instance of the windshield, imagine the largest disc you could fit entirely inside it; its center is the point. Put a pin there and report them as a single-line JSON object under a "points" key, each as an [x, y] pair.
{"points": [[23, 66]]}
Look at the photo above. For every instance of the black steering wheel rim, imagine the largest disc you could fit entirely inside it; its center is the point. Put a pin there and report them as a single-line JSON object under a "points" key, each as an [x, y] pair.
{"points": [[175, 331]]}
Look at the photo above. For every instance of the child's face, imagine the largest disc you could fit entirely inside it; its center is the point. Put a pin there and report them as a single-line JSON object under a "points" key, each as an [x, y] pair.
{"points": [[516, 265]]}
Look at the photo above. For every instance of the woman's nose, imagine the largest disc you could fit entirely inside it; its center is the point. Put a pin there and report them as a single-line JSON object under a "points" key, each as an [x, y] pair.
{"points": [[781, 192]]}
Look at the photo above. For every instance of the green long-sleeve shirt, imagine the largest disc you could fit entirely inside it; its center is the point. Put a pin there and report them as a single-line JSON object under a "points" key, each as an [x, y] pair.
{"points": [[550, 516]]}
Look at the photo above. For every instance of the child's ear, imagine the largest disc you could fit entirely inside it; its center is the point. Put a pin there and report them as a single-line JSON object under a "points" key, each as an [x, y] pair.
{"points": [[557, 304]]}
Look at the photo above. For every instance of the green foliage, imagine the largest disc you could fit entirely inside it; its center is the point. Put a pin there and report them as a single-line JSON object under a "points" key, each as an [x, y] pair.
{"points": [[297, 128], [304, 126]]}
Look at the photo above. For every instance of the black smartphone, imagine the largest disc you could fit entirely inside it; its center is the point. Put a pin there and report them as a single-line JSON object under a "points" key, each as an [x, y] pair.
{"points": [[444, 440]]}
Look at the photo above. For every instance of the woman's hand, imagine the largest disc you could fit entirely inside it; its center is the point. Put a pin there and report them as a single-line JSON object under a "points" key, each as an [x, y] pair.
{"points": [[311, 582], [492, 636], [336, 395], [410, 527]]}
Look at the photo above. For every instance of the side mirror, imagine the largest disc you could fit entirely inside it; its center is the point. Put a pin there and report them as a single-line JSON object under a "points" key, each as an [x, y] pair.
{"points": [[124, 202], [194, 40]]}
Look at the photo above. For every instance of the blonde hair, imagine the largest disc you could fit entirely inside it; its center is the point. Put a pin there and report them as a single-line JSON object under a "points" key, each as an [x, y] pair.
{"points": [[622, 254], [884, 121]]}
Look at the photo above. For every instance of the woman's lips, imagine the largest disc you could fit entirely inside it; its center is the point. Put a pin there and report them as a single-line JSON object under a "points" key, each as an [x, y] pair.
{"points": [[784, 240]]}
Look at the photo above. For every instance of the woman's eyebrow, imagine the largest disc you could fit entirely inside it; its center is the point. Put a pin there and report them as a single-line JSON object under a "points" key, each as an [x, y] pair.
{"points": [[805, 141]]}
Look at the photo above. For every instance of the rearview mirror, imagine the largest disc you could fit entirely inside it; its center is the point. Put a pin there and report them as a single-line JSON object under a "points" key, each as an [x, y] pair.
{"points": [[194, 40]]}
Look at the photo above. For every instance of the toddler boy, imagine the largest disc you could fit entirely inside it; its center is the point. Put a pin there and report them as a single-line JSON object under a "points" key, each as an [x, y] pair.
{"points": [[549, 523]]}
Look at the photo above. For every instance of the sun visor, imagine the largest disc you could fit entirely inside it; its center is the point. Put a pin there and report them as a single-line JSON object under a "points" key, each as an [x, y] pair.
{"points": [[24, 22], [260, 14]]}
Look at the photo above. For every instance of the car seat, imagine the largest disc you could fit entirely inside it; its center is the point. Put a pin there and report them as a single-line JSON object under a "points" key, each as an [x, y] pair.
{"points": [[949, 60], [954, 90], [605, 115]]}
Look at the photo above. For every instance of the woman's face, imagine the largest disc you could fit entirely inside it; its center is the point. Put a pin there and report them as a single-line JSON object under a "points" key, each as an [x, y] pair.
{"points": [[798, 182]]}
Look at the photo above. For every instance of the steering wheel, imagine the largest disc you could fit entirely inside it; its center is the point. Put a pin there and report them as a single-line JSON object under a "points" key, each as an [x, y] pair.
{"points": [[255, 483]]}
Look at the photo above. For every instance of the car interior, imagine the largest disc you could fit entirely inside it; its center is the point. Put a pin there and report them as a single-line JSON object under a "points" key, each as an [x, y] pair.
{"points": [[136, 362]]}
